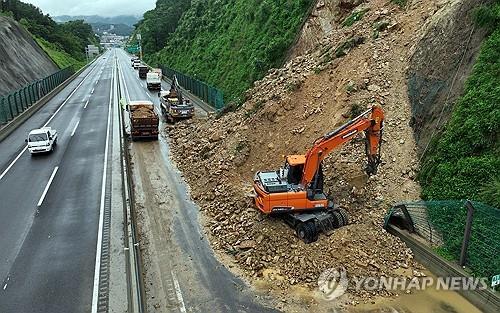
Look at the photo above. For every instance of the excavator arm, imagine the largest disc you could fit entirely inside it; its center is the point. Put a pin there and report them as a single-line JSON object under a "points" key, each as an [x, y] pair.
{"points": [[370, 122]]}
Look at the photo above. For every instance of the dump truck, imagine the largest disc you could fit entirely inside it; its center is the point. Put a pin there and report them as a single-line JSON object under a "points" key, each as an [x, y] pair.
{"points": [[143, 71], [173, 105], [143, 120], [295, 191], [153, 79]]}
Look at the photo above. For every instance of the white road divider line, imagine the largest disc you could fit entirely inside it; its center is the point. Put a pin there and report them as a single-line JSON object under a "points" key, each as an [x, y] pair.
{"points": [[148, 95], [178, 293], [92, 91], [67, 99], [86, 103], [74, 129], [12, 163], [47, 187], [50, 119], [97, 269]]}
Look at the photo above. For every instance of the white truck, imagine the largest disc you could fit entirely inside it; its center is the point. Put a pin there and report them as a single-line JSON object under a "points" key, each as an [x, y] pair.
{"points": [[42, 140], [153, 79]]}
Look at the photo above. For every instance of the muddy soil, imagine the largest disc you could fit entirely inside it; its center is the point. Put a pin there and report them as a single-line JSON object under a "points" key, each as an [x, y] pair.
{"points": [[348, 69]]}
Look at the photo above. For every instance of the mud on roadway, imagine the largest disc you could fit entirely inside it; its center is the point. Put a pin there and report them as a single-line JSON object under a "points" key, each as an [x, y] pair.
{"points": [[180, 271]]}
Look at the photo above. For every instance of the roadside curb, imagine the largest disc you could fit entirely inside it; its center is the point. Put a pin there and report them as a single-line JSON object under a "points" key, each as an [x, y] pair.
{"points": [[6, 130]]}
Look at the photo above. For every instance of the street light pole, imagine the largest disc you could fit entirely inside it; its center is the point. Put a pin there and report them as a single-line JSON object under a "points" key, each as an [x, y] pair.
{"points": [[139, 38]]}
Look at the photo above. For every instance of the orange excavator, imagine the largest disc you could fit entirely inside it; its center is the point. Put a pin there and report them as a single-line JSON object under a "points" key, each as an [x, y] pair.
{"points": [[295, 191]]}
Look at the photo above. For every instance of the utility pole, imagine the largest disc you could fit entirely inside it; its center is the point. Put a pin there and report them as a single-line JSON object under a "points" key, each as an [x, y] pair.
{"points": [[139, 37]]}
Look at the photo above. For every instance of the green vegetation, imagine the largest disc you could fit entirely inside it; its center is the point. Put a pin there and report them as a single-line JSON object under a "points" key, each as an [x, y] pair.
{"points": [[231, 43], [401, 3], [355, 16], [158, 24], [61, 58], [449, 217], [64, 42], [345, 47], [464, 161]]}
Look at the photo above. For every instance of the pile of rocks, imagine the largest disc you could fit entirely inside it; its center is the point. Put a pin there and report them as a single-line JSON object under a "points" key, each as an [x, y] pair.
{"points": [[283, 114]]}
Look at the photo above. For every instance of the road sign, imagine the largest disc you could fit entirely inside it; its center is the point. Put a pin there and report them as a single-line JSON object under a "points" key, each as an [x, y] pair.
{"points": [[495, 280]]}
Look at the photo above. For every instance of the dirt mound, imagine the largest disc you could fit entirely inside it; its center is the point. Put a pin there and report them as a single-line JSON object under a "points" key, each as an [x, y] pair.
{"points": [[351, 68], [22, 61]]}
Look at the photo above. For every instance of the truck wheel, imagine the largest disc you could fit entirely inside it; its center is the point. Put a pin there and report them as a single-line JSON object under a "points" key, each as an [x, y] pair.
{"points": [[314, 231], [345, 216], [338, 221], [306, 232]]}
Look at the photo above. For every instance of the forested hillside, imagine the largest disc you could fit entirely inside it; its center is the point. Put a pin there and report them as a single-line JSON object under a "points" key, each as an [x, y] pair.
{"points": [[228, 44], [65, 43], [159, 23], [464, 161]]}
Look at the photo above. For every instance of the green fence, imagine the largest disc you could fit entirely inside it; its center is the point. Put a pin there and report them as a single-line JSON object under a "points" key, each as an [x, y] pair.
{"points": [[16, 102], [464, 232], [207, 93]]}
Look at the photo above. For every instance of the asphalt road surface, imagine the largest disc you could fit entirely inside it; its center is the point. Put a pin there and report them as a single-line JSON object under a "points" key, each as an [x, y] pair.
{"points": [[51, 209], [50, 204], [182, 273]]}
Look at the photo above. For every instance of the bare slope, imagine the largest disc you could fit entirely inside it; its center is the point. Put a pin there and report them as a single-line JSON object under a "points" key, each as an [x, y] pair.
{"points": [[21, 59]]}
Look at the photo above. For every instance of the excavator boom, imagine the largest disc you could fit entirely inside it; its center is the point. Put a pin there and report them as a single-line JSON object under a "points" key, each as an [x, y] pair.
{"points": [[295, 191], [372, 126]]}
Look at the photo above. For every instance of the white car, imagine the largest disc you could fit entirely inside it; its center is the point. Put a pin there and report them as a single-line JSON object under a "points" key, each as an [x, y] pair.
{"points": [[42, 140]]}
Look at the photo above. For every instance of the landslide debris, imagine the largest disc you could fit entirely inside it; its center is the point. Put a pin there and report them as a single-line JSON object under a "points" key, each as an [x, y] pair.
{"points": [[283, 114]]}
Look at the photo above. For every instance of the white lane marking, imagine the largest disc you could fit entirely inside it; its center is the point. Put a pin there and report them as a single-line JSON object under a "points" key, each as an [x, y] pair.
{"points": [[97, 269], [123, 82], [5, 286], [67, 99], [50, 119], [12, 163], [74, 129], [148, 95], [178, 293], [47, 187], [92, 91], [86, 103]]}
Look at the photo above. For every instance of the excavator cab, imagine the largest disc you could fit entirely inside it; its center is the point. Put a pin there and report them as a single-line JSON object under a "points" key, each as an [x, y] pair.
{"points": [[294, 166], [295, 191]]}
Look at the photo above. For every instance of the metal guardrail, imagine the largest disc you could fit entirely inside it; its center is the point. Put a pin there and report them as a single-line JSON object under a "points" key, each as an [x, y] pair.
{"points": [[207, 93], [16, 102], [466, 232], [452, 238]]}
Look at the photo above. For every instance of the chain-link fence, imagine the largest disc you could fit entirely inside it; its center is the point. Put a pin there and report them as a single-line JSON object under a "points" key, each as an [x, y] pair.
{"points": [[464, 232], [16, 102], [207, 93]]}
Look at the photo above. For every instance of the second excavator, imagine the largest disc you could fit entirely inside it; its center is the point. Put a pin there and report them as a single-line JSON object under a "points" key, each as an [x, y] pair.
{"points": [[295, 191]]}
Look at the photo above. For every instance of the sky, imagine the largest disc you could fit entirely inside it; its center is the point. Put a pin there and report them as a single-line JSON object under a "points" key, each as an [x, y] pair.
{"points": [[93, 7]]}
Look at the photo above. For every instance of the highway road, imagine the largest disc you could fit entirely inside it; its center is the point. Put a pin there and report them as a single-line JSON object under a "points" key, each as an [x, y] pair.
{"points": [[51, 205], [182, 272], [54, 207]]}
